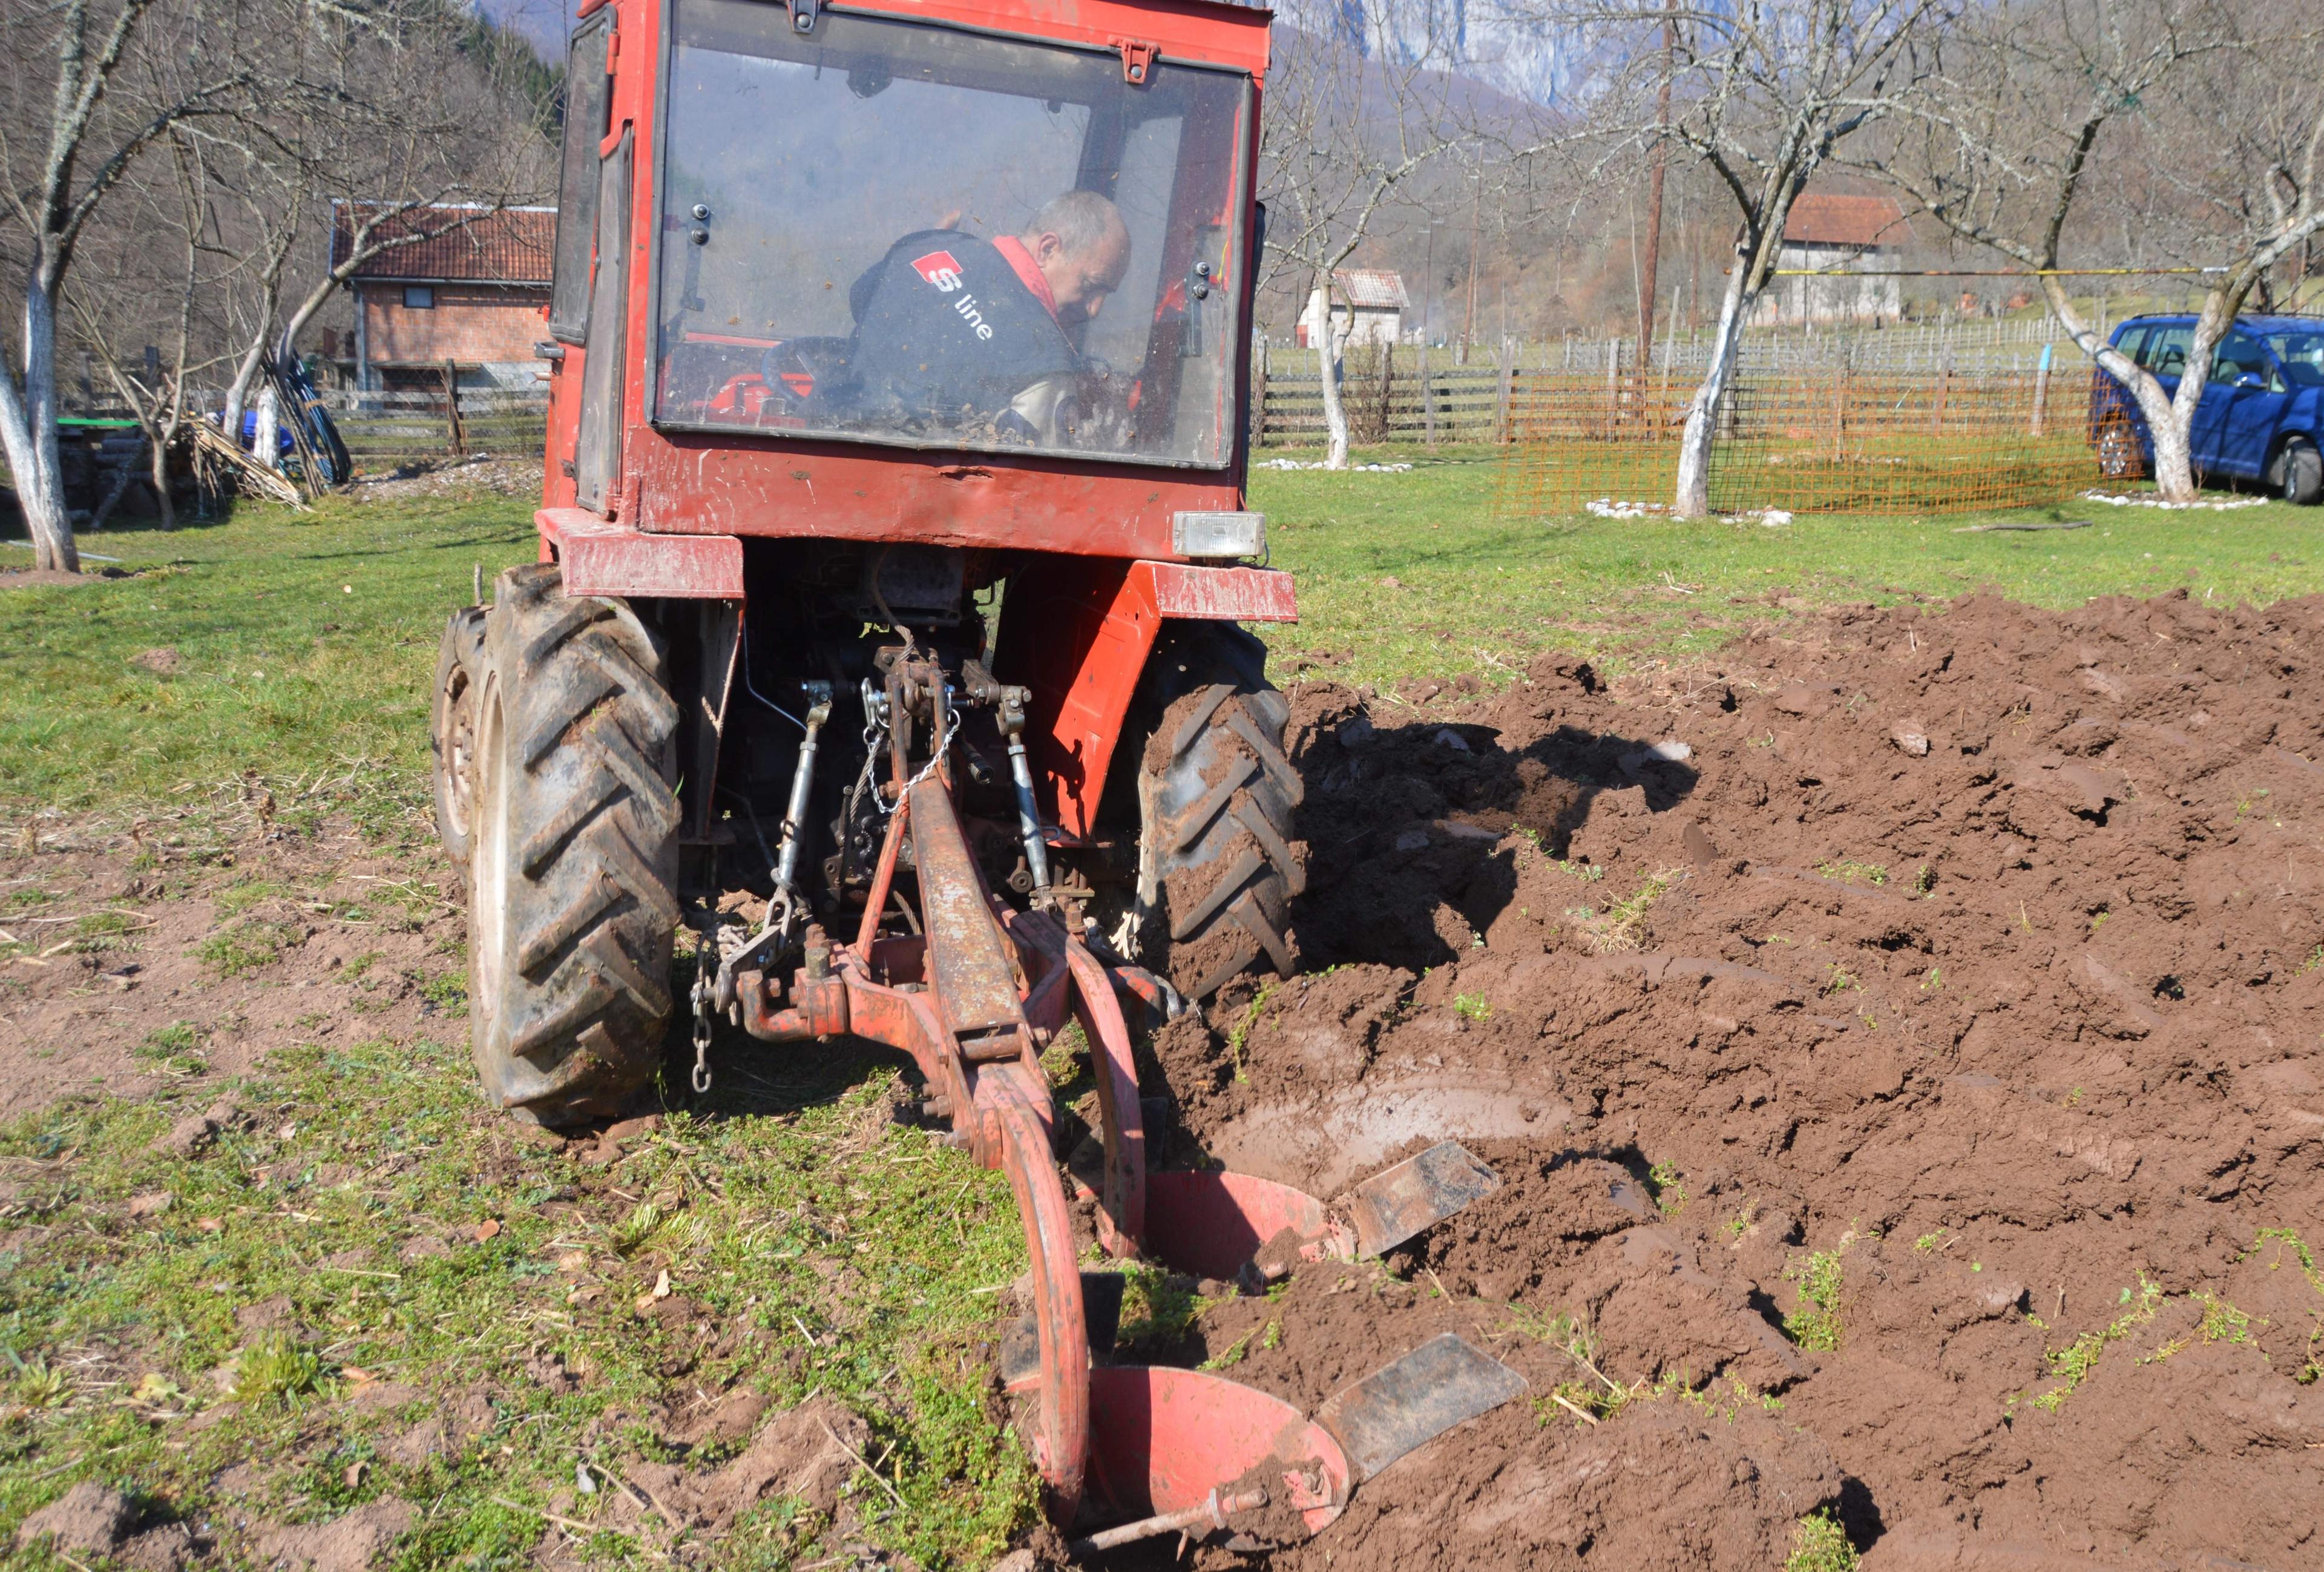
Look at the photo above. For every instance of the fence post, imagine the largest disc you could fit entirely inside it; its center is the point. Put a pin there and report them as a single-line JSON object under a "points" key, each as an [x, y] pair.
{"points": [[1502, 395], [456, 437], [1613, 372], [2040, 391], [1839, 417], [1387, 386], [1427, 395], [1257, 395]]}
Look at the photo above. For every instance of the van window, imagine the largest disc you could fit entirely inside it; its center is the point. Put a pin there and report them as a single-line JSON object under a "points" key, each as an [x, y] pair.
{"points": [[2133, 342], [2238, 356], [2302, 356], [2166, 350]]}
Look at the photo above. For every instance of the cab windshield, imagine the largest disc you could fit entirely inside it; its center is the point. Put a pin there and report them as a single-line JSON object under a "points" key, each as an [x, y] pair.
{"points": [[902, 233]]}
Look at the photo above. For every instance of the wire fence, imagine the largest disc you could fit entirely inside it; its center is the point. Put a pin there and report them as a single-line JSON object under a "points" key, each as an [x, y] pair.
{"points": [[1841, 440]]}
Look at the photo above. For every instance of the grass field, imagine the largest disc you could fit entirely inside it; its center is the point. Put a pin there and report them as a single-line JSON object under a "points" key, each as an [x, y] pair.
{"points": [[1479, 592], [302, 644], [814, 1244]]}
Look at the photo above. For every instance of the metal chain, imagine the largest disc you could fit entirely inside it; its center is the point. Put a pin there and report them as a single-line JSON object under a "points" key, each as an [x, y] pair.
{"points": [[702, 1003]]}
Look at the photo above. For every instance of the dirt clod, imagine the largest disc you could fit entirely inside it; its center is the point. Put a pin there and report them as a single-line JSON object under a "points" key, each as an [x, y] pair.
{"points": [[354, 1542], [90, 1519]]}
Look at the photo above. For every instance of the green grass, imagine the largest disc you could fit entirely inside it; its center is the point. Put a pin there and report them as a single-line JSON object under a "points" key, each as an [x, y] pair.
{"points": [[1815, 1322], [1818, 1544], [1482, 593], [304, 643], [2073, 1364], [825, 1246]]}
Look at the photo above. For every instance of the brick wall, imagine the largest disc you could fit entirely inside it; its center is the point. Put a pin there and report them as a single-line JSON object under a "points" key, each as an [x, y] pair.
{"points": [[469, 323]]}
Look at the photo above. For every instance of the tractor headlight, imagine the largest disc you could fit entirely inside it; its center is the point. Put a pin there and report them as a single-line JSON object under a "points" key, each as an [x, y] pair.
{"points": [[1218, 534]]}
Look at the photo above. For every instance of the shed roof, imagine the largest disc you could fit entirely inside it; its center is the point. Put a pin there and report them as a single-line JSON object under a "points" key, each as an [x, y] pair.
{"points": [[1373, 287], [1830, 219], [449, 241]]}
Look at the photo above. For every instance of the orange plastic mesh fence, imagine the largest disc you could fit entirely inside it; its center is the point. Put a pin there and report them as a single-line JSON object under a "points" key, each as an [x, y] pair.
{"points": [[1811, 440]]}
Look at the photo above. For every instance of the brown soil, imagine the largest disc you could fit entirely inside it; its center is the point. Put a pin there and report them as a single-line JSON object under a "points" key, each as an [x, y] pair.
{"points": [[1986, 955], [106, 989]]}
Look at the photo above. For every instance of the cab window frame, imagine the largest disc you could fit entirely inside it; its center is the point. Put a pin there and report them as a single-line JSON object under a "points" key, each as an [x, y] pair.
{"points": [[660, 251]]}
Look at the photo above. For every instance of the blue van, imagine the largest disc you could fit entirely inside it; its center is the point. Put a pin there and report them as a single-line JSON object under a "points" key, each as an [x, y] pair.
{"points": [[2262, 418]]}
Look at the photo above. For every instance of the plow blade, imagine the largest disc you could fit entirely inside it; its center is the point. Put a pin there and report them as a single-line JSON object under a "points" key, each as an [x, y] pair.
{"points": [[1168, 1438], [1215, 1222], [1414, 1400], [1415, 1195], [1184, 1451]]}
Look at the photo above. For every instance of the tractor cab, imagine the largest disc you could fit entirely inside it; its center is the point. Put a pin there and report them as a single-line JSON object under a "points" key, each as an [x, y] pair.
{"points": [[883, 230]]}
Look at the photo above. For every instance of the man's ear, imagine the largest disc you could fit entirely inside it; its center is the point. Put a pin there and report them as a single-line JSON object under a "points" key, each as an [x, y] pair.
{"points": [[1046, 245]]}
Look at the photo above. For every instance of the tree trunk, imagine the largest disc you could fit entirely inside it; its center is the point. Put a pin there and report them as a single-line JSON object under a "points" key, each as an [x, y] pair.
{"points": [[1327, 361], [1693, 500], [2169, 419], [237, 391], [267, 436], [158, 450], [28, 432]]}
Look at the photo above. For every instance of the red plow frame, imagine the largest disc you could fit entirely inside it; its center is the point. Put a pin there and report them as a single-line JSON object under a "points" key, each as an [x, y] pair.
{"points": [[973, 997]]}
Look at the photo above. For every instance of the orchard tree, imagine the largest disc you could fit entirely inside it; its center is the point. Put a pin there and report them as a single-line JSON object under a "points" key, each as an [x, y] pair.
{"points": [[2209, 118]]}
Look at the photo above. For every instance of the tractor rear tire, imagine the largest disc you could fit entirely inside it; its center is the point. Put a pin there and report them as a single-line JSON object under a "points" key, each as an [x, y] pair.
{"points": [[452, 731], [573, 853], [1217, 863], [2299, 473]]}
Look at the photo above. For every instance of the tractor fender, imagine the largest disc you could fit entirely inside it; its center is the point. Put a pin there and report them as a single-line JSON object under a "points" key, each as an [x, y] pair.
{"points": [[1077, 631], [607, 558]]}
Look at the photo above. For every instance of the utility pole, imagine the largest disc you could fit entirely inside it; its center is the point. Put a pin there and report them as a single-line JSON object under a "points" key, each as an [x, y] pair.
{"points": [[1648, 279]]}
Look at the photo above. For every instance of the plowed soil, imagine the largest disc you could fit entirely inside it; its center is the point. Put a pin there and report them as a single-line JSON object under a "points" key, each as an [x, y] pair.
{"points": [[1960, 966]]}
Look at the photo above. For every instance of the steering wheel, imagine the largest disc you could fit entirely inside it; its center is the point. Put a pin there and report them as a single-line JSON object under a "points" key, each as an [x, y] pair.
{"points": [[1084, 408]]}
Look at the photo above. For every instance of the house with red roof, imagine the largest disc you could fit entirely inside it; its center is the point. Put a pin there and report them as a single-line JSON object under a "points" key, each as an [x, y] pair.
{"points": [[456, 282], [1845, 236]]}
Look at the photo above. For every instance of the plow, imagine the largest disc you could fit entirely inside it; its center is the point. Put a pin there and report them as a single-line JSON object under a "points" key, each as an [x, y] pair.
{"points": [[975, 990], [887, 636]]}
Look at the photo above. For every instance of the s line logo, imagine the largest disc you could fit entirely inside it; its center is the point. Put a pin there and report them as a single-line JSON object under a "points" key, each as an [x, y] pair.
{"points": [[940, 269]]}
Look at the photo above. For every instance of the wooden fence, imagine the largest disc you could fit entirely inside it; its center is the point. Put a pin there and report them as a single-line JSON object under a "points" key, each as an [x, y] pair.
{"points": [[384, 429]]}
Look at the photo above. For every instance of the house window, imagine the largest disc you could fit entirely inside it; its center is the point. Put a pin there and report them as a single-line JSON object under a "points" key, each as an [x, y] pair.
{"points": [[418, 297]]}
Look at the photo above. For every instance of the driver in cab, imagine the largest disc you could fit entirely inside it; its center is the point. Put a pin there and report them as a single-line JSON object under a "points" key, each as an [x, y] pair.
{"points": [[954, 329]]}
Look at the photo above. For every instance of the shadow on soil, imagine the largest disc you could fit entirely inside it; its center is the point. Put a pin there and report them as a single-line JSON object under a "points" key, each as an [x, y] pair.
{"points": [[1404, 823]]}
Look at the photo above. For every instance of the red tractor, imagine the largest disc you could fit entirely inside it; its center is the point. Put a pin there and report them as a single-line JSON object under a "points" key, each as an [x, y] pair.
{"points": [[885, 629]]}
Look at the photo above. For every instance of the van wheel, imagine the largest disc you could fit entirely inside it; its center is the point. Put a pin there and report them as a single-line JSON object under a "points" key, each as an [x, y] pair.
{"points": [[2118, 456], [2299, 473]]}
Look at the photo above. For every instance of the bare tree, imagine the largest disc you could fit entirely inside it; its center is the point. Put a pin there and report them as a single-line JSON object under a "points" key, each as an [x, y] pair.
{"points": [[2216, 108], [1764, 93], [1344, 135], [72, 56], [395, 142], [154, 387]]}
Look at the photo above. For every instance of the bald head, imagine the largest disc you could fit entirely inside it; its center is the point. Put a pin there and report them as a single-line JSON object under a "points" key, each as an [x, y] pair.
{"points": [[1082, 247]]}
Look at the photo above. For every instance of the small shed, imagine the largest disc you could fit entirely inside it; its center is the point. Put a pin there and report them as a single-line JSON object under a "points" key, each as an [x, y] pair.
{"points": [[1834, 230], [1368, 304], [468, 284]]}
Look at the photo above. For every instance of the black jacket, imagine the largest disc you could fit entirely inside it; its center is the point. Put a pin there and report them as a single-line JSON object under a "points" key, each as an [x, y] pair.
{"points": [[944, 329]]}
